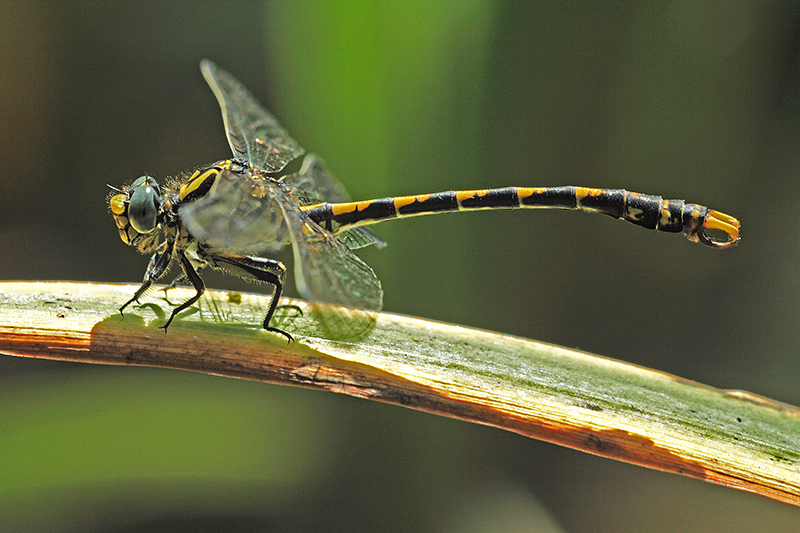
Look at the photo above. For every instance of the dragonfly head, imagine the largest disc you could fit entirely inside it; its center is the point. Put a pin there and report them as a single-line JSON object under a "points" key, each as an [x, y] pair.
{"points": [[136, 210]]}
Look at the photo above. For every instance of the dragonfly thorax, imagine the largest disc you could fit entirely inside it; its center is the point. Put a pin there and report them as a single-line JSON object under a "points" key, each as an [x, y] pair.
{"points": [[229, 206]]}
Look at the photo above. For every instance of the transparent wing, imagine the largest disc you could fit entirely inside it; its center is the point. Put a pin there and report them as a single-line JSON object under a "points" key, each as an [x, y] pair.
{"points": [[326, 270], [316, 182], [252, 214], [247, 212], [253, 133], [238, 213], [360, 237], [316, 185]]}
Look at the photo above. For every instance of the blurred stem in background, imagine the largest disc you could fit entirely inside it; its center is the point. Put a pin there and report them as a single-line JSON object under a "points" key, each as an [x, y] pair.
{"points": [[393, 96]]}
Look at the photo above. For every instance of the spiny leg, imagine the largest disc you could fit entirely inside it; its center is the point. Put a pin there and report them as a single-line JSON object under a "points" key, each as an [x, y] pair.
{"points": [[155, 269], [196, 282], [141, 290], [258, 268], [181, 279]]}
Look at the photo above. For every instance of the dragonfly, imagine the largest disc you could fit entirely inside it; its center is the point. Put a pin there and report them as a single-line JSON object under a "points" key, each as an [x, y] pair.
{"points": [[271, 194]]}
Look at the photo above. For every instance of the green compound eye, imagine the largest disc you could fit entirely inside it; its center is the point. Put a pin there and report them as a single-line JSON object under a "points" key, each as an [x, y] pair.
{"points": [[143, 204]]}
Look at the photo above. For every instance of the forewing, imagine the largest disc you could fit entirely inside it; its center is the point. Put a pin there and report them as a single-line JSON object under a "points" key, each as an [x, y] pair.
{"points": [[253, 133]]}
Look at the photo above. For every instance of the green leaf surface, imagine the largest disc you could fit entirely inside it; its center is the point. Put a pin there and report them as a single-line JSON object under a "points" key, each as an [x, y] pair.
{"points": [[572, 398]]}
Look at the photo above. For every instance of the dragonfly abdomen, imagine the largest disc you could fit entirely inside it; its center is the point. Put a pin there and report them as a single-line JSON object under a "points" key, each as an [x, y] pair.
{"points": [[652, 212]]}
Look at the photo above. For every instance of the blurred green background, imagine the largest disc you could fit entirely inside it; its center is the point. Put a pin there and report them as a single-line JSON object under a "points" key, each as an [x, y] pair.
{"points": [[685, 99]]}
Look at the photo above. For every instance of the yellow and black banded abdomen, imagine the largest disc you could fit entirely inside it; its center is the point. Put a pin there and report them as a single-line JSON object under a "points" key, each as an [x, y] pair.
{"points": [[643, 210], [339, 216], [652, 212]]}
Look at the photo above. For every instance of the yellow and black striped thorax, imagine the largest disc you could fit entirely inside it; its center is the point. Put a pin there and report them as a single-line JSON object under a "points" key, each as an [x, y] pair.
{"points": [[202, 181]]}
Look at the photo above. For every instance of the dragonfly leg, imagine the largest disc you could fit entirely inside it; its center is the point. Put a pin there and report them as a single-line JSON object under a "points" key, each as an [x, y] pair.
{"points": [[182, 279], [196, 281], [178, 281], [155, 269], [295, 308], [257, 268]]}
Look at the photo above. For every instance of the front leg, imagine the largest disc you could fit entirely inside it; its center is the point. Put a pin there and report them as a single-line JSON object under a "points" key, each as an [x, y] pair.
{"points": [[155, 269]]}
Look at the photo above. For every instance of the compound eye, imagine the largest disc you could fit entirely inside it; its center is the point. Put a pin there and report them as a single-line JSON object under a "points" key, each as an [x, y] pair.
{"points": [[143, 204]]}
